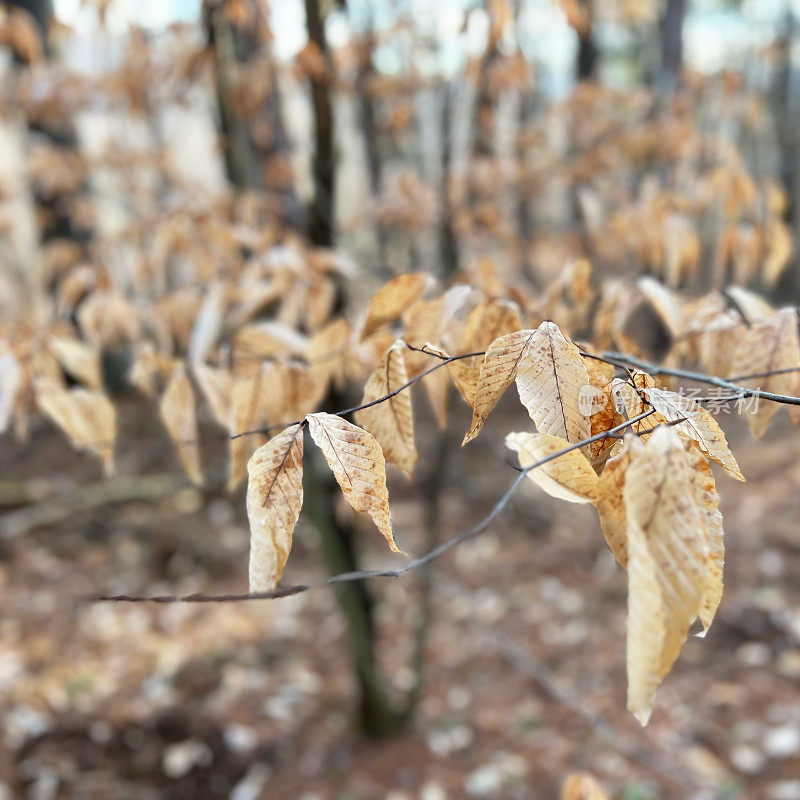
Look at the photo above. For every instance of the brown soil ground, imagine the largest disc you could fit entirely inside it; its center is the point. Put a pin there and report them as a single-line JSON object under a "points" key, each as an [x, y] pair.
{"points": [[525, 658]]}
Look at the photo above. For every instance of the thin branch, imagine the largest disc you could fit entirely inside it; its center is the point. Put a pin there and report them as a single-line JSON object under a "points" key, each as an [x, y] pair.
{"points": [[360, 575], [655, 369], [416, 379]]}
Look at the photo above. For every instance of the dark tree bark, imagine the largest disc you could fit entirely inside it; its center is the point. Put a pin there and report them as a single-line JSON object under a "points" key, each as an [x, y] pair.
{"points": [[366, 114], [448, 244], [321, 218], [672, 44], [587, 50], [256, 144]]}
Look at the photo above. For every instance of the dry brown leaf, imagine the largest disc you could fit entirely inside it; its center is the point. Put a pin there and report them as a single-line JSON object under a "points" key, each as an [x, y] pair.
{"points": [[392, 421], [179, 414], [329, 353], [779, 252], [698, 424], [568, 477], [668, 559], [208, 324], [766, 346], [551, 380], [216, 384], [498, 371], [610, 505], [267, 340], [356, 459], [246, 414], [392, 299], [667, 304], [707, 499], [754, 307], [87, 416], [631, 401], [274, 500], [79, 359], [582, 786]]}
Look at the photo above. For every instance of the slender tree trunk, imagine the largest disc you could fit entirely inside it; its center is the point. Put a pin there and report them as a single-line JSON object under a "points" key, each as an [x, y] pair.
{"points": [[587, 50], [448, 244], [321, 221], [366, 115], [377, 717], [256, 155], [672, 44]]}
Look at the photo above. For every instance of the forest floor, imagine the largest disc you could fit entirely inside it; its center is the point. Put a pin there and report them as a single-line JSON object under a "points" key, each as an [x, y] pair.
{"points": [[525, 678]]}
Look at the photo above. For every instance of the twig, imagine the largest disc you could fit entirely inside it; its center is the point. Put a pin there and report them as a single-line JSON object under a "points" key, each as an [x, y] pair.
{"points": [[360, 575], [656, 369]]}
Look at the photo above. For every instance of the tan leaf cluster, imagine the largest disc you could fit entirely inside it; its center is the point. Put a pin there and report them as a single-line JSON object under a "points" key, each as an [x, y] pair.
{"points": [[668, 561], [698, 424], [550, 379], [87, 416], [274, 500], [391, 422], [581, 786], [179, 414], [769, 345], [568, 477], [550, 376], [392, 299], [357, 462]]}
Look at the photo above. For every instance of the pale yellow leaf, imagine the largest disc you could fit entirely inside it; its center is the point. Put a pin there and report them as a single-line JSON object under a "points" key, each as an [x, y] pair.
{"points": [[698, 424], [246, 414], [707, 499], [499, 368], [392, 421], [208, 324], [87, 416], [274, 499], [581, 786], [216, 384], [631, 401], [667, 562], [356, 459], [610, 505], [779, 252], [329, 352], [269, 339], [392, 299], [551, 380], [568, 477], [79, 359], [179, 414], [667, 304], [771, 344]]}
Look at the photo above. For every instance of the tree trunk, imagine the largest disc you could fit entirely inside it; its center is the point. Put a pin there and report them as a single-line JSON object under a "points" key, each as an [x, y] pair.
{"points": [[256, 143], [672, 44], [448, 244], [587, 50], [321, 221], [377, 717]]}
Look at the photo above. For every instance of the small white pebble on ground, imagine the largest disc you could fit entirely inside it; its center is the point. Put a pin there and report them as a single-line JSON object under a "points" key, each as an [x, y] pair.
{"points": [[179, 759], [432, 791], [253, 782], [240, 738], [747, 759], [784, 790], [783, 741]]}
